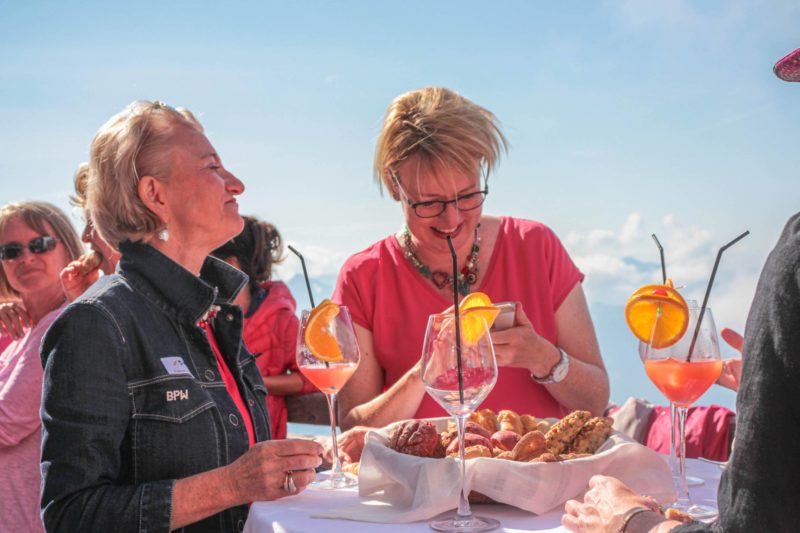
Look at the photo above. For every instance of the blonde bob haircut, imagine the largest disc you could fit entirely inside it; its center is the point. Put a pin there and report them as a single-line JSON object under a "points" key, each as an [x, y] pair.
{"points": [[136, 142], [439, 128], [38, 216]]}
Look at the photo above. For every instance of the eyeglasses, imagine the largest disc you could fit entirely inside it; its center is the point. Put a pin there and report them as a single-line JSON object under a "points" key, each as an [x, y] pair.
{"points": [[39, 245], [434, 208]]}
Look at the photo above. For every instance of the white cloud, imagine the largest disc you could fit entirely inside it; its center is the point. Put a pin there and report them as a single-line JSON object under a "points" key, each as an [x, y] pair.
{"points": [[320, 261], [617, 262]]}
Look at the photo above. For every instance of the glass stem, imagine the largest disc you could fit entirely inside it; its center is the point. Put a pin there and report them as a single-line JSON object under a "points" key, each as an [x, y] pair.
{"points": [[673, 463], [464, 511], [683, 488], [336, 470]]}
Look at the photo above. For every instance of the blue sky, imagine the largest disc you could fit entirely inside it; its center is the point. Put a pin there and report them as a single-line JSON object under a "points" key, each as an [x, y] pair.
{"points": [[625, 118]]}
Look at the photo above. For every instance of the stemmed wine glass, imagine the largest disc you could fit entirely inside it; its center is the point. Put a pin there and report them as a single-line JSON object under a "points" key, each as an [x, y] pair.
{"points": [[683, 377], [459, 385], [691, 481], [329, 374]]}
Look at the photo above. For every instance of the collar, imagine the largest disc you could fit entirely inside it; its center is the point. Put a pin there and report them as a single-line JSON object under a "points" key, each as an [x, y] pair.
{"points": [[174, 289]]}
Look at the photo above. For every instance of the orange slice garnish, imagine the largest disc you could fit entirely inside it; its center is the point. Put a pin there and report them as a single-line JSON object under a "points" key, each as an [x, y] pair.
{"points": [[475, 299], [657, 314], [472, 328], [319, 336]]}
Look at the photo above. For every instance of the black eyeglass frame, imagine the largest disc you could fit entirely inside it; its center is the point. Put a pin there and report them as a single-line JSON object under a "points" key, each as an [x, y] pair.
{"points": [[37, 245], [443, 203]]}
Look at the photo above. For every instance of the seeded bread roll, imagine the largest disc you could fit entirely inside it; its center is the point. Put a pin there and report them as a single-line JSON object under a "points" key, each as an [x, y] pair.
{"points": [[592, 435], [529, 423], [565, 430]]}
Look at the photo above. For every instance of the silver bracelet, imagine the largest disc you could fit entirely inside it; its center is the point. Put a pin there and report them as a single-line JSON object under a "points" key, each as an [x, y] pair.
{"points": [[626, 519]]}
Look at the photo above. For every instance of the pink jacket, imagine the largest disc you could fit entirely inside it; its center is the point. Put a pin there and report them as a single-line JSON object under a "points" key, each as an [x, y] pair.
{"points": [[272, 332]]}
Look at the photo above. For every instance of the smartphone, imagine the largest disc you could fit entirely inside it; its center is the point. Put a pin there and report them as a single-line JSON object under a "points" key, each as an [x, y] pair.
{"points": [[506, 317]]}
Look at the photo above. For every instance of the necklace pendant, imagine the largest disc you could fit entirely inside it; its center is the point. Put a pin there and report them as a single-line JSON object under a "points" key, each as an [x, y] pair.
{"points": [[440, 279]]}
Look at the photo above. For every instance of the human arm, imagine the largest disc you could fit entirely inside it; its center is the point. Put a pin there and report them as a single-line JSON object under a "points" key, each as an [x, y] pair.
{"points": [[361, 401], [20, 395], [731, 373], [75, 282], [87, 407], [604, 508], [586, 385], [284, 384], [258, 475], [14, 319]]}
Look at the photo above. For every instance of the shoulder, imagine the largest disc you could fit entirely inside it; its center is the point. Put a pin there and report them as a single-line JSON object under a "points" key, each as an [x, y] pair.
{"points": [[525, 229], [368, 260]]}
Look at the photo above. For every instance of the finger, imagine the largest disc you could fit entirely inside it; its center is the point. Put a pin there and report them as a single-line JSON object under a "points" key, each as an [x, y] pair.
{"points": [[520, 318], [571, 522], [300, 462], [571, 507], [303, 478], [733, 338], [288, 447]]}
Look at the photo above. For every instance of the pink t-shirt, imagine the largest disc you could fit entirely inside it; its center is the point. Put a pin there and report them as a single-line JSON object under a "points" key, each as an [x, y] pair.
{"points": [[21, 429], [386, 295]]}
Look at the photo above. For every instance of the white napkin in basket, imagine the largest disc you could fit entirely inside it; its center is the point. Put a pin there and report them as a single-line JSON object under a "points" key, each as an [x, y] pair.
{"points": [[405, 488]]}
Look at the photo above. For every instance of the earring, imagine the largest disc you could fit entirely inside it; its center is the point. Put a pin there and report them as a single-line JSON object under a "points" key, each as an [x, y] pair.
{"points": [[163, 234]]}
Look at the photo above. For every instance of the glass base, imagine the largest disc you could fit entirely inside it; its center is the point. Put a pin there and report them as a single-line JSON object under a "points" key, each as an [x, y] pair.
{"points": [[332, 482], [697, 511], [693, 481], [453, 522]]}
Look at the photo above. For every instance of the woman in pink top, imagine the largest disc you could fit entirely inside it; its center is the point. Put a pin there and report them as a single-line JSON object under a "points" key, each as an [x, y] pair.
{"points": [[36, 243], [434, 155]]}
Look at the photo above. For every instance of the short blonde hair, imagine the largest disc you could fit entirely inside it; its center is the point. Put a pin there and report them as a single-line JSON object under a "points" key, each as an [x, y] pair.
{"points": [[80, 180], [135, 142], [439, 127], [37, 216]]}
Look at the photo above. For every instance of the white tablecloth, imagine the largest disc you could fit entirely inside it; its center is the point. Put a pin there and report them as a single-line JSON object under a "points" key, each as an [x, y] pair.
{"points": [[292, 514]]}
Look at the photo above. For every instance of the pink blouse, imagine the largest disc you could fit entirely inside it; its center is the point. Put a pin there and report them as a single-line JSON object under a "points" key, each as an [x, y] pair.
{"points": [[386, 295]]}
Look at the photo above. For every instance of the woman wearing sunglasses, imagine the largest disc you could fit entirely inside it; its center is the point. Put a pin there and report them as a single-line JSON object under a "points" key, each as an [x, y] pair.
{"points": [[36, 242], [154, 414], [434, 155]]}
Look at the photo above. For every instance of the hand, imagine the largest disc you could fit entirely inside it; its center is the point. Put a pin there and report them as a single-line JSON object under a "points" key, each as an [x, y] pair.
{"points": [[604, 506], [731, 368], [521, 347], [351, 444], [14, 319], [260, 473], [74, 283]]}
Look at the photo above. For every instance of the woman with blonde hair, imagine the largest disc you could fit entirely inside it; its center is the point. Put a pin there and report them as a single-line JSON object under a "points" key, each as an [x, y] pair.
{"points": [[434, 155], [36, 242], [154, 413]]}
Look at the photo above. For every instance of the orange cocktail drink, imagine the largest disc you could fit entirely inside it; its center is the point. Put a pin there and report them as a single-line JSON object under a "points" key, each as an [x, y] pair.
{"points": [[680, 381], [330, 379]]}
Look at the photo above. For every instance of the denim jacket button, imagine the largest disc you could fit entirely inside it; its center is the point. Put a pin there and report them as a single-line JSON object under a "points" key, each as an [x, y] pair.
{"points": [[233, 419], [229, 317], [250, 402], [240, 525], [210, 375]]}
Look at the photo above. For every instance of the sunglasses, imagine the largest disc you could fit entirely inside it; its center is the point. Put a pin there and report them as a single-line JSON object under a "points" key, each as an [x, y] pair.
{"points": [[39, 245]]}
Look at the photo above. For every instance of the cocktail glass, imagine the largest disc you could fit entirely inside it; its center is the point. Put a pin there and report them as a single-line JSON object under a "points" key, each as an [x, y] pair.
{"points": [[329, 377], [683, 379], [459, 393]]}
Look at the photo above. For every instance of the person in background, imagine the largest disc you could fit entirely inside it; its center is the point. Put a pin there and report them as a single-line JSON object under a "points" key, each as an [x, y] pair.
{"points": [[434, 155], [758, 490], [270, 325], [36, 242], [154, 413]]}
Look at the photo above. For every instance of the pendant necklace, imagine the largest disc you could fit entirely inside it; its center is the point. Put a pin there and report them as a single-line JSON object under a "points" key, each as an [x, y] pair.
{"points": [[466, 278]]}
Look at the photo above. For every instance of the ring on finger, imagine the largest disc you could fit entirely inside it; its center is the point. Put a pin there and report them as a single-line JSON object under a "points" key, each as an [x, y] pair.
{"points": [[288, 483]]}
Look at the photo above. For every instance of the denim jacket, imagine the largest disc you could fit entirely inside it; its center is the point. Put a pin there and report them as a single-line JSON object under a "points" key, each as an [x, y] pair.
{"points": [[133, 398]]}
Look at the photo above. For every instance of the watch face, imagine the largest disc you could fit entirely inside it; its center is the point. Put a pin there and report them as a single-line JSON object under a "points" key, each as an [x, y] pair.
{"points": [[560, 372]]}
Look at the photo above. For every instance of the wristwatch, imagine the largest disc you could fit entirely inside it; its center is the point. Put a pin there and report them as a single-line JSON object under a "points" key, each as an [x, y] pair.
{"points": [[558, 373]]}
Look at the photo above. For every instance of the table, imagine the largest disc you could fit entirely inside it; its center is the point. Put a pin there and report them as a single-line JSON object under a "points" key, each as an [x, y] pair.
{"points": [[292, 514]]}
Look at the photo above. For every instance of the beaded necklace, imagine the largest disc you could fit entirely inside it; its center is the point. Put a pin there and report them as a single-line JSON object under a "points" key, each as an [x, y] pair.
{"points": [[466, 278]]}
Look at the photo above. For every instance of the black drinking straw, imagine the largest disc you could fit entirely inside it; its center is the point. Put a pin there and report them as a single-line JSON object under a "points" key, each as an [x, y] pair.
{"points": [[661, 253], [708, 292], [305, 273], [458, 320]]}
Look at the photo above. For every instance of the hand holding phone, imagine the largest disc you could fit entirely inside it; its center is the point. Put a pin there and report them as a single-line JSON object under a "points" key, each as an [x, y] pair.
{"points": [[505, 319]]}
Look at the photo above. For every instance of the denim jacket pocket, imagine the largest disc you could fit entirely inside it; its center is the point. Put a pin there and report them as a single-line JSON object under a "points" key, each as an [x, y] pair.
{"points": [[177, 415]]}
